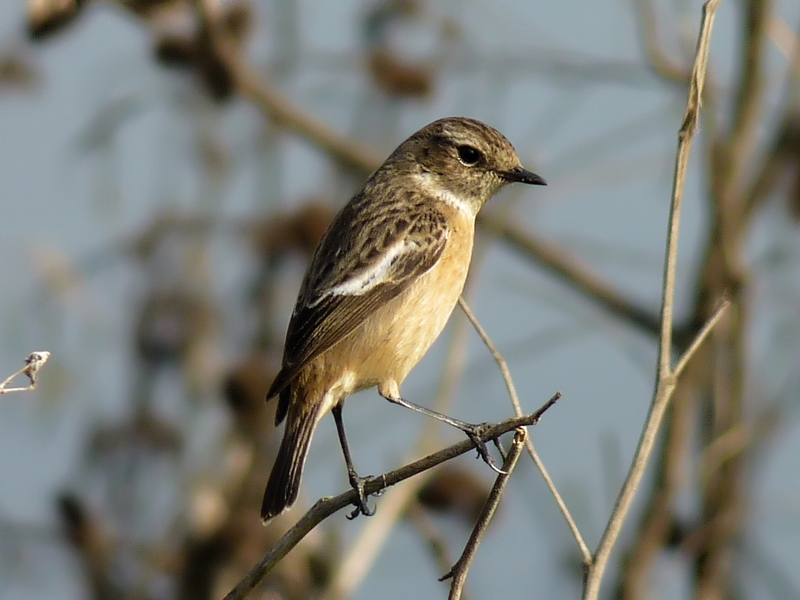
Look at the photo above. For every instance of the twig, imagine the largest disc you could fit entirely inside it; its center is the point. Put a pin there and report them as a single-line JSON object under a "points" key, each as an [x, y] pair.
{"points": [[325, 507], [700, 338], [459, 571], [33, 363], [512, 392], [666, 377]]}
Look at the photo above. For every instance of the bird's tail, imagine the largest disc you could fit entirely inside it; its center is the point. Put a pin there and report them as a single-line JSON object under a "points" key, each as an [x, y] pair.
{"points": [[284, 480]]}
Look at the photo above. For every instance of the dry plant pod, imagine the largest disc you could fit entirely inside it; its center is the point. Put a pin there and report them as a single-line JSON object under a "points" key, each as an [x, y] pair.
{"points": [[145, 430], [46, 17], [237, 20], [18, 71], [276, 236], [168, 324], [245, 389], [399, 78], [175, 50], [457, 491]]}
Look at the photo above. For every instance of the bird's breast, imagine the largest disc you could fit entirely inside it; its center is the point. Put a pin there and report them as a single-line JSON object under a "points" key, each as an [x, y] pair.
{"points": [[396, 336]]}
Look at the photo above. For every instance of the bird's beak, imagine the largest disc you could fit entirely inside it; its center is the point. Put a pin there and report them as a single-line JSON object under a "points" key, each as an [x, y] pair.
{"points": [[521, 175]]}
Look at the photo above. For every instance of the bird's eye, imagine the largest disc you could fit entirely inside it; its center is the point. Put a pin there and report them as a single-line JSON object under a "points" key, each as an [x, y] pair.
{"points": [[468, 155]]}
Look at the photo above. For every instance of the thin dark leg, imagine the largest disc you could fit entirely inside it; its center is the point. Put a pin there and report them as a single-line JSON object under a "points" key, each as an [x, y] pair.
{"points": [[473, 431], [356, 482]]}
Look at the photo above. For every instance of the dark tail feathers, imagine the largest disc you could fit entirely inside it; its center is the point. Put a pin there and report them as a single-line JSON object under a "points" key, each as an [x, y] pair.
{"points": [[284, 481]]}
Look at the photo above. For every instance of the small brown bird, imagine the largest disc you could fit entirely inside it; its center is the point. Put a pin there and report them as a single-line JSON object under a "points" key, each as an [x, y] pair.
{"points": [[381, 286]]}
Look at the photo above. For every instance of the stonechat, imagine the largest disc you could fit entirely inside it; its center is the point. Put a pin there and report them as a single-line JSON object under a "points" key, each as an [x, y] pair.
{"points": [[381, 286]]}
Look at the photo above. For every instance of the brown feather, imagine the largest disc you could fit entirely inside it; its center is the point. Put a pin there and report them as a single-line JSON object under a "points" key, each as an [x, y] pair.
{"points": [[319, 321]]}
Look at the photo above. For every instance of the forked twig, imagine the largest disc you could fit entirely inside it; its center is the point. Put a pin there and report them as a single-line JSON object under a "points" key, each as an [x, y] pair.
{"points": [[512, 392], [325, 507], [666, 378]]}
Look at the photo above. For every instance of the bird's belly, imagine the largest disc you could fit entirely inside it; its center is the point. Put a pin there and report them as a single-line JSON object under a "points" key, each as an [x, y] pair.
{"points": [[392, 340]]}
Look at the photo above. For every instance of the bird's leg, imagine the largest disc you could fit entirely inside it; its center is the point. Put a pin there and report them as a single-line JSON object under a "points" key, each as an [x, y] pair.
{"points": [[356, 481], [472, 430]]}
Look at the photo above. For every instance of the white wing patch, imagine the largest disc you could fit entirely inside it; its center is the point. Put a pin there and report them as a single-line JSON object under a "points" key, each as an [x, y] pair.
{"points": [[368, 279]]}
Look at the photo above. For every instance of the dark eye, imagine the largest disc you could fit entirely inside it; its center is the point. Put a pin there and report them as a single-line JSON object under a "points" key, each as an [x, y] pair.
{"points": [[468, 155]]}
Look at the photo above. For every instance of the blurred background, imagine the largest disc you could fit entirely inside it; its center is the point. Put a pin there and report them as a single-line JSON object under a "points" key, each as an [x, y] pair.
{"points": [[166, 168]]}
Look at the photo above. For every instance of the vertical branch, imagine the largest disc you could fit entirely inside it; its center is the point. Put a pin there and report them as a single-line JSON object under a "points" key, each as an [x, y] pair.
{"points": [[665, 378]]}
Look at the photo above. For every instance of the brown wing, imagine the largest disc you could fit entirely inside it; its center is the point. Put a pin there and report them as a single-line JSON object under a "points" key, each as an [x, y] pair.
{"points": [[350, 277]]}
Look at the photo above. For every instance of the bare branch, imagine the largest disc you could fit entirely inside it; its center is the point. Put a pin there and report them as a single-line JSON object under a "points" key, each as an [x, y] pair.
{"points": [[512, 392], [325, 507], [700, 338], [33, 363], [459, 571], [666, 377]]}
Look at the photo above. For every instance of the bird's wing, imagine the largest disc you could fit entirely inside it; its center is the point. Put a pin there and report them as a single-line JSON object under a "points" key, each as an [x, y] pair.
{"points": [[363, 262]]}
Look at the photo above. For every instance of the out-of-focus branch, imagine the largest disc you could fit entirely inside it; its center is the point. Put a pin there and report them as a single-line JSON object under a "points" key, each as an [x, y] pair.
{"points": [[570, 270], [785, 148], [283, 111], [327, 506], [434, 539], [258, 89], [725, 270], [512, 392], [666, 379], [660, 62], [459, 571], [749, 97]]}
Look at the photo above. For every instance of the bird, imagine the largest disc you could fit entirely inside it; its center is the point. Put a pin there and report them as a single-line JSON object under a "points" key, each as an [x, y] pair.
{"points": [[381, 286]]}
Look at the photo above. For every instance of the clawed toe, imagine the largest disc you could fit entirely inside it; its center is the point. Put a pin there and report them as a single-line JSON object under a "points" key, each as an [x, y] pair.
{"points": [[474, 433], [361, 506]]}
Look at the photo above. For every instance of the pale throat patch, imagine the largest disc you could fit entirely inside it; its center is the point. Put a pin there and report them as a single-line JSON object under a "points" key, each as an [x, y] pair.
{"points": [[428, 184]]}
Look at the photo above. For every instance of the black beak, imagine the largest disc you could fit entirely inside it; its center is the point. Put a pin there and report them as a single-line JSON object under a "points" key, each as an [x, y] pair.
{"points": [[521, 175]]}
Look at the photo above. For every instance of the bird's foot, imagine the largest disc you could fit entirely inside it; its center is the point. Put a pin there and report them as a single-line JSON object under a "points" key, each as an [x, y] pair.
{"points": [[361, 507], [474, 433]]}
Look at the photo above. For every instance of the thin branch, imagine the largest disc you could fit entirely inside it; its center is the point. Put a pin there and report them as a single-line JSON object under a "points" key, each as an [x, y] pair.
{"points": [[459, 571], [33, 363], [701, 336], [325, 507], [666, 377], [512, 392]]}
